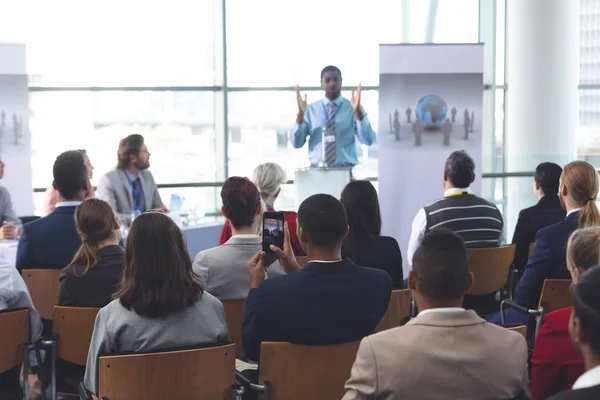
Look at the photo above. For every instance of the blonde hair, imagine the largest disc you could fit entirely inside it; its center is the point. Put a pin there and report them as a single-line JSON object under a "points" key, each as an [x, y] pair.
{"points": [[583, 249], [268, 178], [582, 182]]}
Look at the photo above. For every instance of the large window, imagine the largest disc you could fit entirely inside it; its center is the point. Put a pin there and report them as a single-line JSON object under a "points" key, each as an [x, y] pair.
{"points": [[100, 71]]}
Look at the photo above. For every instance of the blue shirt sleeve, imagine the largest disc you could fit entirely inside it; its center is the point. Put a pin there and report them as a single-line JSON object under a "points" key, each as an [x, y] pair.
{"points": [[364, 131]]}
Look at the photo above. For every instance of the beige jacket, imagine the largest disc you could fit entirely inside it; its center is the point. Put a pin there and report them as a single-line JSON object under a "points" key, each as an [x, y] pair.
{"points": [[440, 355]]}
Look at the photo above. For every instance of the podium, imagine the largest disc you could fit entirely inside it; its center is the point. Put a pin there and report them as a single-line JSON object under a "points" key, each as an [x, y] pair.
{"points": [[309, 181]]}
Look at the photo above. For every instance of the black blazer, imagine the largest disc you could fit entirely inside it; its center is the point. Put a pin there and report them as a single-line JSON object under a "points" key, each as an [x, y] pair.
{"points": [[49, 242], [545, 213], [94, 289], [589, 393], [380, 252], [323, 303]]}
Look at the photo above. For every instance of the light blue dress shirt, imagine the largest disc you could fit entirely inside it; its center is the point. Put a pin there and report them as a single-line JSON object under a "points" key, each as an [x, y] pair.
{"points": [[346, 127]]}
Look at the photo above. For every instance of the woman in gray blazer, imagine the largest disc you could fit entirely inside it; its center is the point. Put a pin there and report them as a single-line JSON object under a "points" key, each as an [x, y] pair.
{"points": [[160, 304]]}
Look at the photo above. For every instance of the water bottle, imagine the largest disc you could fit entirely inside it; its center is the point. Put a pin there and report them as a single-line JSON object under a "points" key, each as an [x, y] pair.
{"points": [[176, 203], [135, 213]]}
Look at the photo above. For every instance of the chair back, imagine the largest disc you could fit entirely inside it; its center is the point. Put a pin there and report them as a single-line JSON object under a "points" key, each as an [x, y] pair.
{"points": [[74, 327], [556, 294], [205, 373], [43, 287], [398, 311], [297, 372], [521, 329], [234, 316], [302, 260], [490, 268], [14, 333]]}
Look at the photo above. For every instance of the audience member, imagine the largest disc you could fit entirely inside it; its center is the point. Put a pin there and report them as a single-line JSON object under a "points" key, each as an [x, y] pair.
{"points": [[477, 221], [93, 275], [14, 295], [577, 193], [160, 303], [130, 185], [328, 301], [446, 351], [52, 241], [546, 212], [585, 334], [7, 213], [364, 244], [555, 363], [268, 178], [224, 269], [52, 195]]}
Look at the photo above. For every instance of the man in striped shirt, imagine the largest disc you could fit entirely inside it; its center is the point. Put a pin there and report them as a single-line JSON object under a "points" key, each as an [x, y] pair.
{"points": [[477, 221]]}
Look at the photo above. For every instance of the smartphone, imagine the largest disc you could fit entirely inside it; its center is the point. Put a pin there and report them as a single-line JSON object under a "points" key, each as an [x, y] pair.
{"points": [[272, 230]]}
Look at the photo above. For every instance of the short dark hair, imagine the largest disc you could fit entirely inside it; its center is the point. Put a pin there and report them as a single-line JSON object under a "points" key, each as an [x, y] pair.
{"points": [[547, 175], [586, 305], [129, 146], [330, 68], [361, 203], [158, 279], [441, 266], [70, 173], [240, 198], [460, 169], [324, 220]]}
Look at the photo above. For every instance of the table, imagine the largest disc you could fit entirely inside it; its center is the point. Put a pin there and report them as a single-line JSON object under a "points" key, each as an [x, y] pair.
{"points": [[8, 250], [202, 237]]}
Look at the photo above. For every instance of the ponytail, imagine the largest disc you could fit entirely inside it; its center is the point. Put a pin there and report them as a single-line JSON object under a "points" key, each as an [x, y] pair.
{"points": [[589, 214], [87, 256]]}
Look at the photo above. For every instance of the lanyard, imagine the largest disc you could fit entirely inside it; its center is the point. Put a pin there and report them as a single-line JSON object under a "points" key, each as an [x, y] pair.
{"points": [[329, 120]]}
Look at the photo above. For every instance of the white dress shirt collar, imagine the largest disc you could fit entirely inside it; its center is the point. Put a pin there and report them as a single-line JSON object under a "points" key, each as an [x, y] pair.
{"points": [[324, 262], [68, 204], [337, 101], [451, 191], [588, 379], [442, 310], [574, 211]]}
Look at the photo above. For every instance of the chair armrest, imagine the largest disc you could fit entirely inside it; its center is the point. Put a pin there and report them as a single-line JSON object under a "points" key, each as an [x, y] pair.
{"points": [[248, 384], [514, 304], [83, 392]]}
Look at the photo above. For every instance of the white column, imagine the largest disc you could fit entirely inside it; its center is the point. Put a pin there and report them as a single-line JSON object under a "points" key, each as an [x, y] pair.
{"points": [[542, 66]]}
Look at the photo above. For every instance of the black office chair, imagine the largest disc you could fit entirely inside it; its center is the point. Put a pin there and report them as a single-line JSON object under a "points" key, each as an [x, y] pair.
{"points": [[28, 218]]}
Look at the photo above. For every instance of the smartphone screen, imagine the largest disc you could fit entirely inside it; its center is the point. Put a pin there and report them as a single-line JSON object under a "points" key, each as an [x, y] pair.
{"points": [[272, 230]]}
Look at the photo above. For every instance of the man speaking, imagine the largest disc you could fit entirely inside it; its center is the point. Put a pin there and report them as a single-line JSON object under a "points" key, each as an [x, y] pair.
{"points": [[332, 124]]}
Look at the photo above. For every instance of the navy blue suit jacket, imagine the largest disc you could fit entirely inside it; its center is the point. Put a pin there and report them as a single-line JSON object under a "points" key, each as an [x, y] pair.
{"points": [[548, 260], [49, 242], [323, 303]]}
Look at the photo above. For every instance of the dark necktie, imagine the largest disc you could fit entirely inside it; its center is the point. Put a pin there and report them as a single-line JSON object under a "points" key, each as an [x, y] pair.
{"points": [[138, 194]]}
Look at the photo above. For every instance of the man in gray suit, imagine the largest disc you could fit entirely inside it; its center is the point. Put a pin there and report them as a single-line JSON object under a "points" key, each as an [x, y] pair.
{"points": [[131, 185], [224, 269], [446, 352]]}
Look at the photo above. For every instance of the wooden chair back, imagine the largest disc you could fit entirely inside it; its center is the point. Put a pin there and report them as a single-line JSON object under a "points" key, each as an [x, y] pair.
{"points": [[556, 294], [490, 268], [234, 316], [398, 311], [302, 260], [74, 327], [522, 329], [43, 288], [297, 372], [204, 373], [14, 333]]}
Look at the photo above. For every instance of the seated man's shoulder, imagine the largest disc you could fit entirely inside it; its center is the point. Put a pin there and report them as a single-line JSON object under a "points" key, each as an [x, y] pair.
{"points": [[498, 336]]}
